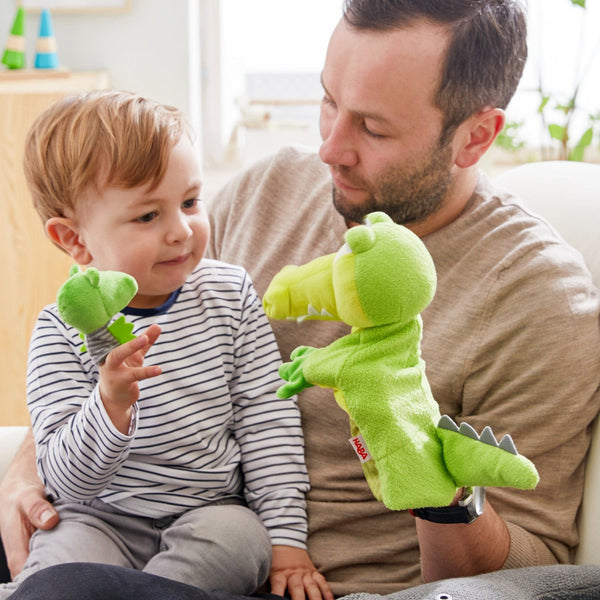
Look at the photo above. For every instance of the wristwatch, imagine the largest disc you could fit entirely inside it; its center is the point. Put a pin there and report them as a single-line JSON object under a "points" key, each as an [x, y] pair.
{"points": [[469, 507]]}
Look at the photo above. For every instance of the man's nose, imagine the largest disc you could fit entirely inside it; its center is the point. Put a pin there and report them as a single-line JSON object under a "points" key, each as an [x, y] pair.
{"points": [[339, 144]]}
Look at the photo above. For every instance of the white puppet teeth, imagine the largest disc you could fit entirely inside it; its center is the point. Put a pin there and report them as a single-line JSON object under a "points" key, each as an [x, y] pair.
{"points": [[311, 312]]}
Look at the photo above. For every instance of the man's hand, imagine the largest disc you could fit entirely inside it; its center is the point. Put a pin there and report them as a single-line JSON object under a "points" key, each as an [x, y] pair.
{"points": [[120, 374], [23, 506], [293, 569]]}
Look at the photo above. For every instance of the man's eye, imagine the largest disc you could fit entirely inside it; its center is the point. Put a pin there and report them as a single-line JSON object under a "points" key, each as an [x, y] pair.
{"points": [[147, 217], [326, 100], [371, 133]]}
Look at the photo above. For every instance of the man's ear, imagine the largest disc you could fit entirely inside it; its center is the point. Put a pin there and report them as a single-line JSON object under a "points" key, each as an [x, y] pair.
{"points": [[479, 132], [64, 232]]}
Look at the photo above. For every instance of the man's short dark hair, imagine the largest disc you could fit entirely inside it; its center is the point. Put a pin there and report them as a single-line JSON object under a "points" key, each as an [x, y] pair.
{"points": [[486, 54]]}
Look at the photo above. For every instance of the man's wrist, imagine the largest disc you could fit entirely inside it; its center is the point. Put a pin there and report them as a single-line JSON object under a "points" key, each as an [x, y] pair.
{"points": [[468, 508]]}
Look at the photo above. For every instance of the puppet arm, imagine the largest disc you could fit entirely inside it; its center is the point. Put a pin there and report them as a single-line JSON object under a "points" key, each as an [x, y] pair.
{"points": [[293, 373]]}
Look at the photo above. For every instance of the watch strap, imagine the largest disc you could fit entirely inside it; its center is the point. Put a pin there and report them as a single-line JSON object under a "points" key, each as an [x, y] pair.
{"points": [[443, 514], [469, 507]]}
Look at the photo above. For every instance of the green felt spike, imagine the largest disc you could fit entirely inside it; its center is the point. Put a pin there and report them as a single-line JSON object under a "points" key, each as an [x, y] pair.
{"points": [[446, 422], [122, 330], [507, 444], [466, 429], [487, 436]]}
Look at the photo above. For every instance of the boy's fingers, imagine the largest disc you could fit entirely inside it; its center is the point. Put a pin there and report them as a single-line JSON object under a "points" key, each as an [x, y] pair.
{"points": [[124, 351], [147, 372], [296, 587], [323, 585], [152, 332], [278, 583], [313, 591]]}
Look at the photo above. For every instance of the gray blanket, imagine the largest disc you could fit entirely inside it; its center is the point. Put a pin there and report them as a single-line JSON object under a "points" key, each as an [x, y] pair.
{"points": [[557, 582]]}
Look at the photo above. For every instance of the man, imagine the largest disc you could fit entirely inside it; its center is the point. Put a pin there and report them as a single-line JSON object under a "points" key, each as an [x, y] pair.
{"points": [[414, 94]]}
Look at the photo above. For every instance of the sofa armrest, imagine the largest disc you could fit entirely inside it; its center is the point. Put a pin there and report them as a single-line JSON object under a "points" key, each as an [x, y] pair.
{"points": [[588, 551]]}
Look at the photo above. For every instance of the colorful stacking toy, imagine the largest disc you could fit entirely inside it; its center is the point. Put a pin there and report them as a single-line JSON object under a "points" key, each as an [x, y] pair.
{"points": [[14, 54], [46, 56]]}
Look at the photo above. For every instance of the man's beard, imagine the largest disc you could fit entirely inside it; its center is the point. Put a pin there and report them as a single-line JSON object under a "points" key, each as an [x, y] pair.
{"points": [[406, 193]]}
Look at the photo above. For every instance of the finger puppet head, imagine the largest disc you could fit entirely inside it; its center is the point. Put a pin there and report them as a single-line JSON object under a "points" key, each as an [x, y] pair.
{"points": [[89, 299]]}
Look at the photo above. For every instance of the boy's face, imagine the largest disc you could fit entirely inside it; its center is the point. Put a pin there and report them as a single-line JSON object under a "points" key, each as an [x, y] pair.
{"points": [[156, 236]]}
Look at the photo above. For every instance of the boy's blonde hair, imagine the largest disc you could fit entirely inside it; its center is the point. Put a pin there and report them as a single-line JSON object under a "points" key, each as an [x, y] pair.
{"points": [[97, 139]]}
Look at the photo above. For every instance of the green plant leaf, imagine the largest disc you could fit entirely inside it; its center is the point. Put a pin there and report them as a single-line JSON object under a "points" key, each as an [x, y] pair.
{"points": [[557, 132], [578, 3], [542, 106], [586, 138], [584, 141], [576, 155], [566, 107]]}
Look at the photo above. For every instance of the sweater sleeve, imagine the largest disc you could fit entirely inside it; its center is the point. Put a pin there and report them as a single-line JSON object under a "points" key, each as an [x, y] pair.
{"points": [[78, 449], [267, 429], [513, 341], [534, 369]]}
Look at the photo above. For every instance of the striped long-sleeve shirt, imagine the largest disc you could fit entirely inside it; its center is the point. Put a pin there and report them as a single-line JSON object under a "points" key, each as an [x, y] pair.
{"points": [[210, 427]]}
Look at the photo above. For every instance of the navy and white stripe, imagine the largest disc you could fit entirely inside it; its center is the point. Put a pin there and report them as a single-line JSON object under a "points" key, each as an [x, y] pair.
{"points": [[209, 428]]}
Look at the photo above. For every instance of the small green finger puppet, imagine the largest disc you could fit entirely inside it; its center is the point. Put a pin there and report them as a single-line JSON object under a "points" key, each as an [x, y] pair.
{"points": [[379, 282], [90, 300]]}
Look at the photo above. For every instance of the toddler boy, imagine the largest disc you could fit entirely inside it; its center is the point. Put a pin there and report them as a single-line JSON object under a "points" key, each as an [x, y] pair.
{"points": [[190, 468]]}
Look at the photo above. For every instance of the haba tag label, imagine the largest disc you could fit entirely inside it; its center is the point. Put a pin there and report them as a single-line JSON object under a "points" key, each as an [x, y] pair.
{"points": [[358, 443]]}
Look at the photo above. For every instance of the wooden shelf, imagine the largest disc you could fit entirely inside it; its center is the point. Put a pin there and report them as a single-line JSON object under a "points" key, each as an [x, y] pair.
{"points": [[33, 267]]}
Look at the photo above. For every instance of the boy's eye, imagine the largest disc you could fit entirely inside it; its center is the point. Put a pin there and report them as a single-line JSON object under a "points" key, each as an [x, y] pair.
{"points": [[187, 204], [147, 217]]}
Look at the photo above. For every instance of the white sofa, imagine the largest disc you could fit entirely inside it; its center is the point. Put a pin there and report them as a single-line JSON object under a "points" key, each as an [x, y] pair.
{"points": [[568, 195]]}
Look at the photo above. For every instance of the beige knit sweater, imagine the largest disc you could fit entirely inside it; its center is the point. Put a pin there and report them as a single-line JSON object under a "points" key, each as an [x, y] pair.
{"points": [[511, 340]]}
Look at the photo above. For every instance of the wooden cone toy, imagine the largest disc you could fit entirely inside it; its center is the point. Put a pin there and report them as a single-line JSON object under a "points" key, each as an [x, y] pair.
{"points": [[14, 54], [46, 56]]}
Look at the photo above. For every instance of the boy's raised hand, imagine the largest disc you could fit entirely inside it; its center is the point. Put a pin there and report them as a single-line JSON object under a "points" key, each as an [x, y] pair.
{"points": [[292, 569], [120, 374]]}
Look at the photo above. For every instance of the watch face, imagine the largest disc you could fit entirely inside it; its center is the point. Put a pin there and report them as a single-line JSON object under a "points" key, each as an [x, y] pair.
{"points": [[478, 500]]}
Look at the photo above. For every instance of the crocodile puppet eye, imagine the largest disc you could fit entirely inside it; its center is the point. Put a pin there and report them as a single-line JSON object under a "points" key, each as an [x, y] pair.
{"points": [[378, 217], [360, 238]]}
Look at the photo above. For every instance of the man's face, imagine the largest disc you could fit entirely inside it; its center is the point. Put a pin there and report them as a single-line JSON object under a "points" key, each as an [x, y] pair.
{"points": [[380, 127]]}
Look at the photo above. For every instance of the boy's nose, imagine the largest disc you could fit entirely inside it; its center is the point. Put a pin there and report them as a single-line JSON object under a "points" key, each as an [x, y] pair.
{"points": [[179, 230]]}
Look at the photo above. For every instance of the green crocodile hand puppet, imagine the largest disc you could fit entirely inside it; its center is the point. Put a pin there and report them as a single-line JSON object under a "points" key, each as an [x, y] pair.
{"points": [[379, 282], [89, 300]]}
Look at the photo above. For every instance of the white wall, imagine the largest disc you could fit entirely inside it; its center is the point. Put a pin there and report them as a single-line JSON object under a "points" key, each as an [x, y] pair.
{"points": [[564, 40], [155, 50], [145, 50]]}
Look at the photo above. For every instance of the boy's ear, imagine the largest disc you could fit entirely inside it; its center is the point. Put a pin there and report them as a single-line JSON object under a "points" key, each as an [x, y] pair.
{"points": [[480, 131], [64, 232]]}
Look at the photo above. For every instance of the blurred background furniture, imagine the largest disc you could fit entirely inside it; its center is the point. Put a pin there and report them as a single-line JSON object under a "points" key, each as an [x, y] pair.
{"points": [[33, 268]]}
